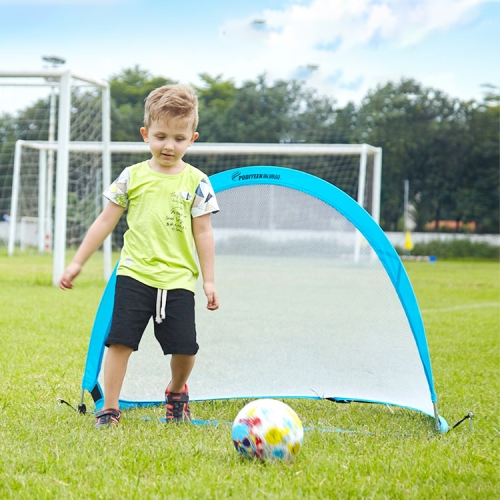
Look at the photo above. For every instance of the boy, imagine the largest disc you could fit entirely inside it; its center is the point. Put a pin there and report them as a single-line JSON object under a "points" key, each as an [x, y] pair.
{"points": [[169, 204]]}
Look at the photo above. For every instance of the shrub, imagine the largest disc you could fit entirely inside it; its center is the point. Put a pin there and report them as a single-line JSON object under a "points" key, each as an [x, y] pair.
{"points": [[453, 249]]}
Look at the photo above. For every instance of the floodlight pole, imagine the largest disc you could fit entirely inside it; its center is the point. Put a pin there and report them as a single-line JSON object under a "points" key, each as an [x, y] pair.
{"points": [[50, 164], [62, 177], [106, 168], [44, 226]]}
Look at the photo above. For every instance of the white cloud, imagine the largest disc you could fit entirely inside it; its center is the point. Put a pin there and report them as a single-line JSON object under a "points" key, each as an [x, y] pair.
{"points": [[353, 45], [354, 31], [358, 21], [428, 16]]}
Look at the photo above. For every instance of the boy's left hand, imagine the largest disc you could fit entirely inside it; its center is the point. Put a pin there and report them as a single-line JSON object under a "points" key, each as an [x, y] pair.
{"points": [[212, 296]]}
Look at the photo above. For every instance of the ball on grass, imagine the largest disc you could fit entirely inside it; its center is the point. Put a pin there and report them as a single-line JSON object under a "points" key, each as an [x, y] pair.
{"points": [[267, 429]]}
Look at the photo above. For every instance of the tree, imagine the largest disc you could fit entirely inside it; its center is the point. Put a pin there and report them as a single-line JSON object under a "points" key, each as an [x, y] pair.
{"points": [[215, 97], [284, 111], [259, 112], [480, 190], [129, 89], [421, 131], [314, 118], [448, 149]]}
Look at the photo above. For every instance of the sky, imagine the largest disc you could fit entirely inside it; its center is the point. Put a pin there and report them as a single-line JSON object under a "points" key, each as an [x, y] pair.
{"points": [[341, 48]]}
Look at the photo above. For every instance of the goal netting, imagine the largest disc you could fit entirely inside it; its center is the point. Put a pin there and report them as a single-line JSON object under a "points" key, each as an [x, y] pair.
{"points": [[50, 192], [353, 168]]}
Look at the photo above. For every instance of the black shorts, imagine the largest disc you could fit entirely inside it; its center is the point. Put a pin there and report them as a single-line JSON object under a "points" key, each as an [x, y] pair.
{"points": [[135, 304]]}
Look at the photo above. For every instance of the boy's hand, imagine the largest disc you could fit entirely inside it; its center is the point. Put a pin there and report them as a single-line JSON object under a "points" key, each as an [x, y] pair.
{"points": [[212, 297], [69, 274]]}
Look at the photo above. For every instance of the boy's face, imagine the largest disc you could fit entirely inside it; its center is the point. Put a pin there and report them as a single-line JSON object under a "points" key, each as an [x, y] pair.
{"points": [[168, 142]]}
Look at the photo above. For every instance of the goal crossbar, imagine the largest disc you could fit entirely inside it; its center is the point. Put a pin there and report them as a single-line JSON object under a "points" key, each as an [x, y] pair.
{"points": [[203, 148], [45, 73]]}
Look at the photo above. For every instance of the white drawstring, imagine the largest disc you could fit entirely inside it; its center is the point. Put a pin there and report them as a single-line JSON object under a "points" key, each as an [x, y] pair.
{"points": [[161, 302]]}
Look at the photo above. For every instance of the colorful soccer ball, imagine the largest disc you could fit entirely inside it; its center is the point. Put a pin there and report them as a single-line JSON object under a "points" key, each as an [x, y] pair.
{"points": [[267, 429]]}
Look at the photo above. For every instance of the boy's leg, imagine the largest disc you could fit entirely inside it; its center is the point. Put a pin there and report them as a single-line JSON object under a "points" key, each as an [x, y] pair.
{"points": [[133, 307], [115, 366], [181, 366], [177, 336], [176, 393]]}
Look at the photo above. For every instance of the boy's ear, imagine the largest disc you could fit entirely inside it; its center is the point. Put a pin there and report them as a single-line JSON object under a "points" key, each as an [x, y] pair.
{"points": [[144, 133], [195, 136]]}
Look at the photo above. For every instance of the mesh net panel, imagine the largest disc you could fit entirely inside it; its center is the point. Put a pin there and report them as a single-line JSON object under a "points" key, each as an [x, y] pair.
{"points": [[30, 121], [85, 183], [300, 316], [341, 170]]}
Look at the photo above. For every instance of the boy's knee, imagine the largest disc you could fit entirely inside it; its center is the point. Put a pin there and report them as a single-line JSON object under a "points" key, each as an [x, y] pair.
{"points": [[119, 351]]}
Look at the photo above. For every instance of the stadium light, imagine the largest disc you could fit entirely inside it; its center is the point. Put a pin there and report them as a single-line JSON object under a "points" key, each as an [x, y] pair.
{"points": [[54, 60]]}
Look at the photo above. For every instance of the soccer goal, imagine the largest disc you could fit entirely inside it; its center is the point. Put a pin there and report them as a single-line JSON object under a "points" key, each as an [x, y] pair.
{"points": [[50, 193], [356, 169], [353, 168]]}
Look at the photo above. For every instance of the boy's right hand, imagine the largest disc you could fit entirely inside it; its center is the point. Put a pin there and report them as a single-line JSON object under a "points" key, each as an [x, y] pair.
{"points": [[212, 296], [69, 274]]}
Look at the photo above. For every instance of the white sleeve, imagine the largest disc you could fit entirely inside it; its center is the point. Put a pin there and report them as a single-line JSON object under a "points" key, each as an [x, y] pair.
{"points": [[117, 192], [205, 201]]}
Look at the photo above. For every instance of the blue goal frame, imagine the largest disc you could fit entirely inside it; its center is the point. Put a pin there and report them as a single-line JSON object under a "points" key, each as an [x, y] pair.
{"points": [[330, 195]]}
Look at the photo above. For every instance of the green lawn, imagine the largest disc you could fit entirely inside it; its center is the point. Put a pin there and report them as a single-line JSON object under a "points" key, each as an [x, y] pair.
{"points": [[50, 451]]}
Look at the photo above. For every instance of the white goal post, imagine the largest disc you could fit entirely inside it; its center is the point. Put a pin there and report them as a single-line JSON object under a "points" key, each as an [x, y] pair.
{"points": [[231, 155], [64, 81]]}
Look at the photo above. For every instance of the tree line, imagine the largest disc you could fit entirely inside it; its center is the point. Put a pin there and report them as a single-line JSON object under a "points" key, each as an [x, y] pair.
{"points": [[447, 148]]}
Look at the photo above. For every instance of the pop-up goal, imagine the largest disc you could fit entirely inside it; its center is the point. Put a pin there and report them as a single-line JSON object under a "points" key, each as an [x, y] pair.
{"points": [[315, 303]]}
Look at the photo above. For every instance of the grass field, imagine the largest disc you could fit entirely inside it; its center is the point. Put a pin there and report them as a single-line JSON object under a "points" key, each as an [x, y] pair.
{"points": [[49, 451]]}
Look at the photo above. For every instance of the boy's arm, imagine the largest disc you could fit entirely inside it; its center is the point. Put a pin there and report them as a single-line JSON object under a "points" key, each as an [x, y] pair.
{"points": [[97, 233], [204, 240]]}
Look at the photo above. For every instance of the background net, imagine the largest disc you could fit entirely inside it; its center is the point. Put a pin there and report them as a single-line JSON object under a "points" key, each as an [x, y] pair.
{"points": [[85, 167], [341, 170]]}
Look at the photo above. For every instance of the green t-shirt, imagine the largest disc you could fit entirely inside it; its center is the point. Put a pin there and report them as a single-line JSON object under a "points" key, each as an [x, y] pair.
{"points": [[158, 247]]}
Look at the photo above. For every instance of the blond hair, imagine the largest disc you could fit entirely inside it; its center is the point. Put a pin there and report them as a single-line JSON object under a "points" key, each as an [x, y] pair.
{"points": [[172, 102]]}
